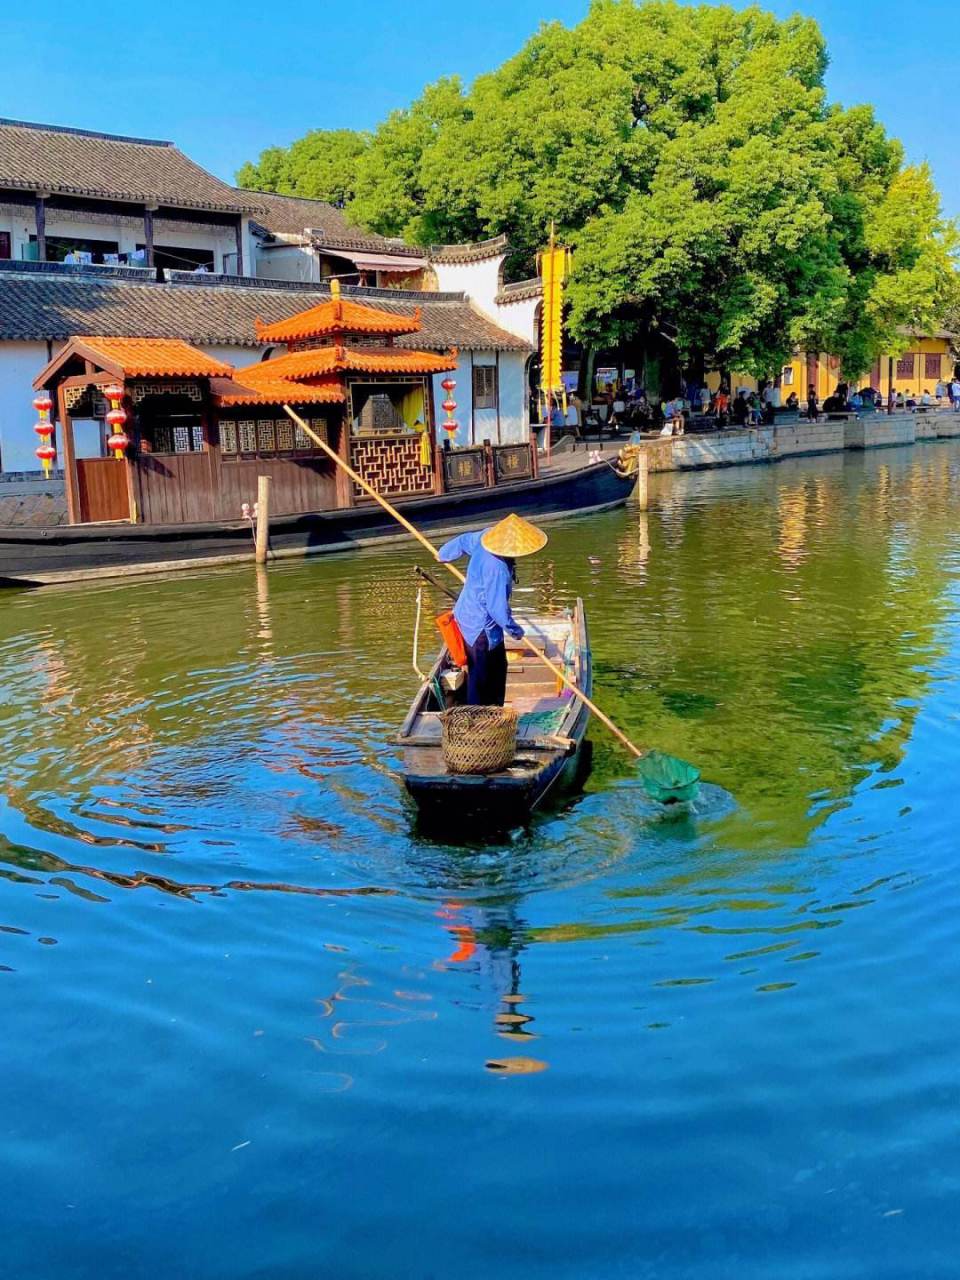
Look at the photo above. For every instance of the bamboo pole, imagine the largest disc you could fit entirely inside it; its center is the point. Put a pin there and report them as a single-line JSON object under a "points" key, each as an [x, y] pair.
{"points": [[557, 671], [263, 518]]}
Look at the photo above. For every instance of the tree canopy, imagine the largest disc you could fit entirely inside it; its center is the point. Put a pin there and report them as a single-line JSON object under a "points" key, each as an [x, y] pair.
{"points": [[322, 165], [689, 154]]}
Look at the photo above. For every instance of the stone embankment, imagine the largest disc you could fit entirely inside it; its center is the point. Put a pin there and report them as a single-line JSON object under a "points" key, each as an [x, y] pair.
{"points": [[741, 445], [32, 504]]}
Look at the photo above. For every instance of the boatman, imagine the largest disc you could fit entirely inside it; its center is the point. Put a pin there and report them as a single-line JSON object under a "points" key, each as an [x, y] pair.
{"points": [[482, 610]]}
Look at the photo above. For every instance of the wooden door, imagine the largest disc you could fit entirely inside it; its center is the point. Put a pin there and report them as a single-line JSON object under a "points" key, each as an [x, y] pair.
{"points": [[102, 486]]}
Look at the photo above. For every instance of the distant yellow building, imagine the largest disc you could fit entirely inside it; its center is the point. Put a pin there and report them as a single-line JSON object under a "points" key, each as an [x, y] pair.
{"points": [[926, 362]]}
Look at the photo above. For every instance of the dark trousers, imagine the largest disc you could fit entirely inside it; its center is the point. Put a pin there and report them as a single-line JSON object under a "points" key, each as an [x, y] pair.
{"points": [[486, 673]]}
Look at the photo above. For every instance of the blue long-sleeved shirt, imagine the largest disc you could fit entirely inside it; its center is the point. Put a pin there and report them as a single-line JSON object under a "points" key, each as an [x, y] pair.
{"points": [[484, 602]]}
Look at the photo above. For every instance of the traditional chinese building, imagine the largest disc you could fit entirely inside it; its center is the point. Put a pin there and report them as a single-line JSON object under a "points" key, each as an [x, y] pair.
{"points": [[180, 435]]}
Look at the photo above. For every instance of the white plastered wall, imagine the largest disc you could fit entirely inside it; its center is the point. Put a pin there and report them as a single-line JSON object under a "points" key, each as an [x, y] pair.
{"points": [[477, 425], [20, 362]]}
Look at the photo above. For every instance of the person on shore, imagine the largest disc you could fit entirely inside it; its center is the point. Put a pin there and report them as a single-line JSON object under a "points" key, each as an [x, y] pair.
{"points": [[482, 611], [955, 389], [813, 408], [940, 391], [741, 409], [722, 404]]}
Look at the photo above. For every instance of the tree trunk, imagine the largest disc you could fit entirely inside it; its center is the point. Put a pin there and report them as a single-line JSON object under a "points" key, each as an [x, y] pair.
{"points": [[585, 375]]}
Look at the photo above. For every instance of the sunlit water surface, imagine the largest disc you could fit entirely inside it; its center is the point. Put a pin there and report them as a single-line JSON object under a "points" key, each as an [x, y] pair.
{"points": [[255, 1025]]}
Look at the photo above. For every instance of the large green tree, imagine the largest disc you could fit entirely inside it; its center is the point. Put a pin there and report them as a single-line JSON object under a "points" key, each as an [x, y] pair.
{"points": [[322, 165], [713, 197]]}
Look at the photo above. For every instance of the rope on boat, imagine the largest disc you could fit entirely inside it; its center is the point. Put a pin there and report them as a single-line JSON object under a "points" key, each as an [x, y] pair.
{"points": [[416, 634]]}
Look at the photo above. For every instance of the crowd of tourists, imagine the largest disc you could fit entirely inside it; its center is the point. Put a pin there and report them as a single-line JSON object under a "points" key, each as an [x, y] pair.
{"points": [[621, 409], [871, 400]]}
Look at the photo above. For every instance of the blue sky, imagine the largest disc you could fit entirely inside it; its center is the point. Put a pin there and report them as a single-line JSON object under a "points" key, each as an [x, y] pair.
{"points": [[223, 80]]}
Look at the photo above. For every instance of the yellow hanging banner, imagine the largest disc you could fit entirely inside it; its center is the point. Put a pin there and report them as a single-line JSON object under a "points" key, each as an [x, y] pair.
{"points": [[554, 268]]}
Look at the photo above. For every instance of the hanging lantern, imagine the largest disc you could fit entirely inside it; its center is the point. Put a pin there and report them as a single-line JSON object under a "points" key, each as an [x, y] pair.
{"points": [[118, 441], [44, 429], [449, 407]]}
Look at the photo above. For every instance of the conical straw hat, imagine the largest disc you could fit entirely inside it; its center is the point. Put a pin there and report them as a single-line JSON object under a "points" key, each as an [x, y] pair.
{"points": [[514, 536]]}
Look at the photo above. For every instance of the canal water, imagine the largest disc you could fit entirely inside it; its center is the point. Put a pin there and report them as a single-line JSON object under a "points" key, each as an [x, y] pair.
{"points": [[256, 1025]]}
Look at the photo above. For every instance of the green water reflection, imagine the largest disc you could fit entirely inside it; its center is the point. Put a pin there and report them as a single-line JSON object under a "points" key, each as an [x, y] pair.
{"points": [[777, 629]]}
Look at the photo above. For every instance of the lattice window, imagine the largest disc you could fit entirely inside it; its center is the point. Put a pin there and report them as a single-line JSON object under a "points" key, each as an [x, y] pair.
{"points": [[392, 466], [931, 366], [266, 436], [301, 437], [248, 436], [485, 386], [228, 437], [285, 436], [905, 366], [181, 439], [319, 428], [162, 439], [196, 435]]}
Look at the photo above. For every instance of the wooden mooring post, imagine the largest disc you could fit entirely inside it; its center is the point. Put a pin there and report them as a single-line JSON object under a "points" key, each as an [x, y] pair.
{"points": [[639, 495], [263, 518]]}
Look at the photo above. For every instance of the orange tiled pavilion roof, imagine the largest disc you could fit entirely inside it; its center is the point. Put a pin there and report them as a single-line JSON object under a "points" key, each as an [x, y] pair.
{"points": [[319, 361], [247, 390], [337, 316], [152, 357]]}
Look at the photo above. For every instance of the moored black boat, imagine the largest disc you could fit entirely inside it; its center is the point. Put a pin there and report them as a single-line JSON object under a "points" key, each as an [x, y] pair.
{"points": [[30, 557], [550, 742]]}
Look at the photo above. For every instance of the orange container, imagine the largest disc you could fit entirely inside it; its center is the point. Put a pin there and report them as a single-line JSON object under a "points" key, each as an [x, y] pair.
{"points": [[452, 637]]}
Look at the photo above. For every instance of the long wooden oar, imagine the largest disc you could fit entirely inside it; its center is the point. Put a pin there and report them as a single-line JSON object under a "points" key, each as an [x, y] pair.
{"points": [[557, 671]]}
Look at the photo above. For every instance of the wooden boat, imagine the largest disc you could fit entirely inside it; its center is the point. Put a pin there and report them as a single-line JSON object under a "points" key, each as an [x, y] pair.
{"points": [[32, 557], [550, 745]]}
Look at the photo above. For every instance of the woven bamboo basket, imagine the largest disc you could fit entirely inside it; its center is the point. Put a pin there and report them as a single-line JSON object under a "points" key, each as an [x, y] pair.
{"points": [[479, 739]]}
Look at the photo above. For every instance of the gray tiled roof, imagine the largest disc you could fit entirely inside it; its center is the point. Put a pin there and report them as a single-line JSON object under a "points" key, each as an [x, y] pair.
{"points": [[520, 290], [79, 163], [477, 251], [296, 216], [37, 306]]}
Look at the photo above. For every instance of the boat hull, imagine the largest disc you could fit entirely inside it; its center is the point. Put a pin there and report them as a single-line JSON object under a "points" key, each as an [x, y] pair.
{"points": [[478, 805], [32, 557]]}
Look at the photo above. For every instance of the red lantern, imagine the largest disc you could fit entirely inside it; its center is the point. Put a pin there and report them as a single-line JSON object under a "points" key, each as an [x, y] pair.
{"points": [[448, 385], [451, 426], [448, 406], [44, 429], [116, 416]]}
